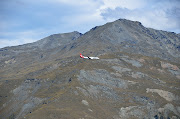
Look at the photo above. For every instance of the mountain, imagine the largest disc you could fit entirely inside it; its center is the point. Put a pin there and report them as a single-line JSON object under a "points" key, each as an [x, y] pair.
{"points": [[137, 75]]}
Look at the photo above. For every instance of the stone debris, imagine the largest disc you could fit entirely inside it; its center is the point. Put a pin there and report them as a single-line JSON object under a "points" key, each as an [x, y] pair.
{"points": [[130, 112], [168, 108], [93, 90], [138, 75], [11, 61], [161, 71], [165, 94], [32, 103], [90, 110], [141, 60], [121, 69], [83, 91], [178, 76], [103, 77], [111, 61], [24, 97], [169, 66], [133, 62], [116, 74], [85, 102], [54, 66], [132, 82]]}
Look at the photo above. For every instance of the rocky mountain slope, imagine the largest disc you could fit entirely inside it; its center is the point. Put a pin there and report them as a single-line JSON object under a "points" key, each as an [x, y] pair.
{"points": [[137, 76]]}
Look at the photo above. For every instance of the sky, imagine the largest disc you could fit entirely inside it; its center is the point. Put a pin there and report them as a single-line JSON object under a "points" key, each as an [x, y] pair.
{"points": [[26, 21]]}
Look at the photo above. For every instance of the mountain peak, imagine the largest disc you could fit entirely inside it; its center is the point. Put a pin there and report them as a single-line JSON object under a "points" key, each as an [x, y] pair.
{"points": [[126, 21], [132, 36]]}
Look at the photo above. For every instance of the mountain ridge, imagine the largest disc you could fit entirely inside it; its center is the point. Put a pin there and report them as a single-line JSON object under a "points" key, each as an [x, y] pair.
{"points": [[130, 37]]}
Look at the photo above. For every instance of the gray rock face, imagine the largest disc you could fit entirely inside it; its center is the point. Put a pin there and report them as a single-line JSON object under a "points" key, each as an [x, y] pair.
{"points": [[133, 62], [103, 77], [24, 98], [103, 84]]}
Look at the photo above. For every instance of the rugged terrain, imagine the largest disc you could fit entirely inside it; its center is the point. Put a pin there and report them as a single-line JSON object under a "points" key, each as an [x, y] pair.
{"points": [[137, 76]]}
